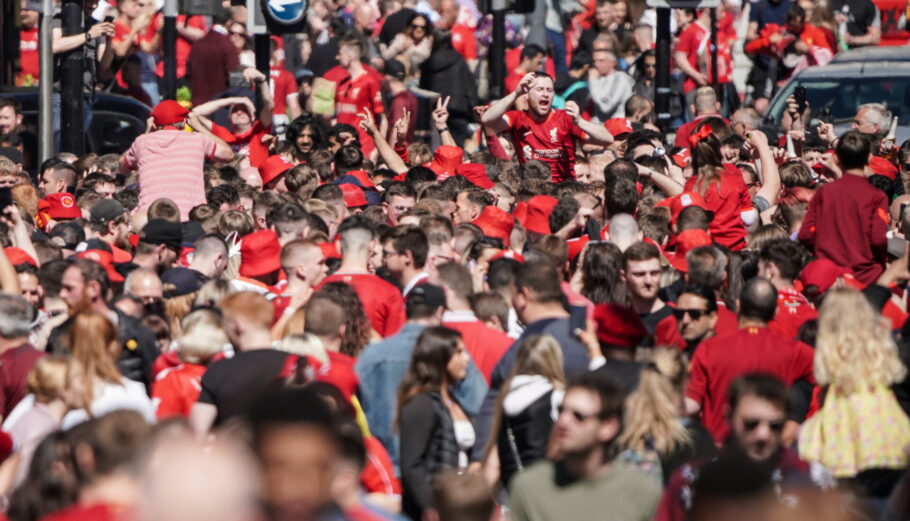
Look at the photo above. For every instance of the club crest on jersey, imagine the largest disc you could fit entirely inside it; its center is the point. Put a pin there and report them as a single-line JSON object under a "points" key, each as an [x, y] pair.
{"points": [[553, 136], [526, 150], [355, 91]]}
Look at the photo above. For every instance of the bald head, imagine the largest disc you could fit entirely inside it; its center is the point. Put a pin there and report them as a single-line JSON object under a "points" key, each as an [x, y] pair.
{"points": [[758, 300], [624, 231], [144, 284]]}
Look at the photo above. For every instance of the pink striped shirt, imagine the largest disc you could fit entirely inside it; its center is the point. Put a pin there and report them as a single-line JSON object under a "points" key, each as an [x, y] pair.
{"points": [[170, 163]]}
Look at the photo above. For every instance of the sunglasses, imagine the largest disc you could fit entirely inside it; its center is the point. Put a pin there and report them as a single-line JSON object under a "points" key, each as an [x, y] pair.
{"points": [[580, 417], [752, 424], [416, 26], [695, 314]]}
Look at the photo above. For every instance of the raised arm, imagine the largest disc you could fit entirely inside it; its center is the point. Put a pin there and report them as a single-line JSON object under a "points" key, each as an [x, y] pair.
{"points": [[386, 152], [493, 117], [67, 43], [441, 121], [223, 151], [597, 134], [259, 79], [210, 107], [770, 175]]}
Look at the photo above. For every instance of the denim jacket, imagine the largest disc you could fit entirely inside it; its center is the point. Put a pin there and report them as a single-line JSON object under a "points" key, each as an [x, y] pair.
{"points": [[382, 366]]}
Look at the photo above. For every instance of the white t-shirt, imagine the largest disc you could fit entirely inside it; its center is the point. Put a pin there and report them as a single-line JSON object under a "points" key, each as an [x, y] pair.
{"points": [[109, 397]]}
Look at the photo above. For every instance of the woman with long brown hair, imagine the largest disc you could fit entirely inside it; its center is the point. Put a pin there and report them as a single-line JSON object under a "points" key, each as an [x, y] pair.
{"points": [[94, 345], [435, 430], [723, 189]]}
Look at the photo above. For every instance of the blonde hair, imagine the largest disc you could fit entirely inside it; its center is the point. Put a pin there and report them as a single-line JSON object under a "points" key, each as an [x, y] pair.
{"points": [[304, 344], [854, 348], [652, 411], [203, 337], [48, 378], [538, 355]]}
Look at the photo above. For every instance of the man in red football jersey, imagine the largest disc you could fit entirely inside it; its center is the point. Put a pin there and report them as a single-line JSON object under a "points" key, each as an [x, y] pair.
{"points": [[542, 132], [358, 92]]}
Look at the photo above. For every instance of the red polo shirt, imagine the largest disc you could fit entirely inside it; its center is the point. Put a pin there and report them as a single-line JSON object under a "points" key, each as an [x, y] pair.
{"points": [[721, 359], [847, 222]]}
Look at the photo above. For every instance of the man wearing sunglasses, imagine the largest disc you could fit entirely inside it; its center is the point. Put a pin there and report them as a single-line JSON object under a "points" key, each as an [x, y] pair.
{"points": [[718, 361], [585, 478], [696, 315], [759, 408]]}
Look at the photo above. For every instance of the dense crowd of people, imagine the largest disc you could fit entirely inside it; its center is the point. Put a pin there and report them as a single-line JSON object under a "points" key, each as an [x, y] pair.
{"points": [[359, 288]]}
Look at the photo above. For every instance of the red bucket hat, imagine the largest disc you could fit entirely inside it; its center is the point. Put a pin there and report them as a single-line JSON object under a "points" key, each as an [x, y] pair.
{"points": [[445, 159], [260, 253], [273, 167], [539, 209], [353, 195], [687, 241], [476, 174], [677, 203], [495, 223], [18, 256], [105, 259], [618, 126]]}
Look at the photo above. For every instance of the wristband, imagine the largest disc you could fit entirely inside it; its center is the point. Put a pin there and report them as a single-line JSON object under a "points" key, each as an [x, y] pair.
{"points": [[88, 36], [441, 130]]}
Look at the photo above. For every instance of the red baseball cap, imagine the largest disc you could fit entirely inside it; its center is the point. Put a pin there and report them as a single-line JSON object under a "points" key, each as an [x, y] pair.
{"points": [[105, 259], [273, 167], [495, 223], [446, 159], [687, 241], [618, 126], [60, 206], [353, 195], [821, 273], [260, 253], [618, 326], [677, 203], [538, 217], [682, 158], [476, 174], [18, 256], [169, 112]]}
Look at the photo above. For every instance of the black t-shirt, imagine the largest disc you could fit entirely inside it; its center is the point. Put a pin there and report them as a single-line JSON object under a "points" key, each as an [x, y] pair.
{"points": [[861, 15], [233, 384]]}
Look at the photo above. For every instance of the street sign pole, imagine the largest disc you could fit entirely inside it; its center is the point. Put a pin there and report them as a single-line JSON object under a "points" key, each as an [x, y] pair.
{"points": [[46, 82], [72, 133], [662, 88], [170, 49]]}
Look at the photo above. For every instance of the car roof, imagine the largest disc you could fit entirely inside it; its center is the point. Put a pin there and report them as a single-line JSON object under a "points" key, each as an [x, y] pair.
{"points": [[867, 54], [855, 70], [28, 97]]}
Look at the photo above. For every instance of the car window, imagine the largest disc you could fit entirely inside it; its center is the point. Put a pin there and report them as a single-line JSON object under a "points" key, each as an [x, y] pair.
{"points": [[111, 132], [837, 99]]}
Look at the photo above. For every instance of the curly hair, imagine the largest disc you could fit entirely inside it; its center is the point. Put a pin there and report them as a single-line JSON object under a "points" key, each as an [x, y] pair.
{"points": [[854, 348], [356, 325]]}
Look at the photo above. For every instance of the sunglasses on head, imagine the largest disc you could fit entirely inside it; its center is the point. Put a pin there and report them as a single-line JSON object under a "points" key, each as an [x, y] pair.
{"points": [[696, 314], [579, 416], [752, 424]]}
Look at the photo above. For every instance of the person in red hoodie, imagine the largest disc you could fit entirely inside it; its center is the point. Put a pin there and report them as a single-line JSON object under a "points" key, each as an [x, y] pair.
{"points": [[847, 220], [485, 344], [780, 262]]}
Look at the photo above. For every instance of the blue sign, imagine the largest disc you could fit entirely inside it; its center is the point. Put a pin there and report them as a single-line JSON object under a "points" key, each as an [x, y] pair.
{"points": [[286, 12]]}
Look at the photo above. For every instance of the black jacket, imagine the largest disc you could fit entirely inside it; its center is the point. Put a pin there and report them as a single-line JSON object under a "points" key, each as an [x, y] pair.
{"points": [[446, 72], [523, 437], [428, 445]]}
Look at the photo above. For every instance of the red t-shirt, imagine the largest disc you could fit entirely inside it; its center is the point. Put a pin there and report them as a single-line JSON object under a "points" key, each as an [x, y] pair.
{"points": [[552, 141], [15, 364], [721, 359], [485, 344], [95, 512], [727, 321], [29, 65], [382, 301], [464, 41], [727, 198], [283, 85], [353, 97], [378, 474], [176, 389], [695, 41], [793, 309], [247, 143]]}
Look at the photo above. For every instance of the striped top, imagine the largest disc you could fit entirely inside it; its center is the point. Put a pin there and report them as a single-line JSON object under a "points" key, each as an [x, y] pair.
{"points": [[170, 163]]}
